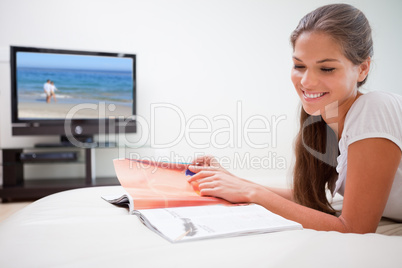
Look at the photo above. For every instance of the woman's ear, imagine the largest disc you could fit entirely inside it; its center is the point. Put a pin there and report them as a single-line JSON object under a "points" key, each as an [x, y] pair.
{"points": [[364, 69]]}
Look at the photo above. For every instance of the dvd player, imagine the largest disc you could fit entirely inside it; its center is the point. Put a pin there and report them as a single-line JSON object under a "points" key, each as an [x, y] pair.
{"points": [[48, 157]]}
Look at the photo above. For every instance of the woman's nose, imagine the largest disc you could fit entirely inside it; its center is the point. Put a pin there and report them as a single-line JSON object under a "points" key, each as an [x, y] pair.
{"points": [[309, 79]]}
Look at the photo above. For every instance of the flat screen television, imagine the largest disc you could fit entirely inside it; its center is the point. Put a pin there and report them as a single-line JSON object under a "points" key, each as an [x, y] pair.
{"points": [[73, 94]]}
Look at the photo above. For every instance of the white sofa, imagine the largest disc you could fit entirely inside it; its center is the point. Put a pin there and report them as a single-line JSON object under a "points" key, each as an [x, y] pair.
{"points": [[79, 229]]}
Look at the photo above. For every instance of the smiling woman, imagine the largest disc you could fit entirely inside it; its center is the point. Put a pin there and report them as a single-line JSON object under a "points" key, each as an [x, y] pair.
{"points": [[329, 60], [332, 50]]}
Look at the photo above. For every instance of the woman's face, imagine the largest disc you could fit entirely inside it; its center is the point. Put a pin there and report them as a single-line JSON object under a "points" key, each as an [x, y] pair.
{"points": [[323, 77]]}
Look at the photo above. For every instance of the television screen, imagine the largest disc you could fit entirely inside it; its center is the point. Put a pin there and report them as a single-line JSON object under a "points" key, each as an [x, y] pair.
{"points": [[50, 86]]}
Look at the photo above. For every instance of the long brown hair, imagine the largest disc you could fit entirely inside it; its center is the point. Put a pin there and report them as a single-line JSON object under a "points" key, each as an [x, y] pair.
{"points": [[316, 145]]}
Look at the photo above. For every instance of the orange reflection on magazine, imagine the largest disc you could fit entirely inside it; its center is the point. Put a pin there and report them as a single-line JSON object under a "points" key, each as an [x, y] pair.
{"points": [[160, 184]]}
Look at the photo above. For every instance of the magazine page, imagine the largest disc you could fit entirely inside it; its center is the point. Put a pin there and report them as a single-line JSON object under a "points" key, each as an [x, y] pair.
{"points": [[121, 200], [159, 184], [195, 223]]}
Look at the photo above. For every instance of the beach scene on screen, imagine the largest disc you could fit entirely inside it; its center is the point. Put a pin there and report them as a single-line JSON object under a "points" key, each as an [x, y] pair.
{"points": [[85, 86]]}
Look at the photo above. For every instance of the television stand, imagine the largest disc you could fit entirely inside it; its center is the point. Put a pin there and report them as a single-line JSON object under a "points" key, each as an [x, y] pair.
{"points": [[87, 141], [86, 145], [53, 145], [15, 187]]}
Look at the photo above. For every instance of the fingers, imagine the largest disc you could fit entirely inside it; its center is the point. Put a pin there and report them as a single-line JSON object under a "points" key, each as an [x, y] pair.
{"points": [[201, 175], [197, 169], [207, 160], [206, 187], [208, 192], [199, 161]]}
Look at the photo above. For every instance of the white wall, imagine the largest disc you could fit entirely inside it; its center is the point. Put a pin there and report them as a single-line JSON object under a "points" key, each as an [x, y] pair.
{"points": [[201, 57]]}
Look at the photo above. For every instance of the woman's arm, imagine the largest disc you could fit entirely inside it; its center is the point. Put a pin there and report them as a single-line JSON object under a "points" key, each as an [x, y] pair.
{"points": [[283, 192], [372, 164]]}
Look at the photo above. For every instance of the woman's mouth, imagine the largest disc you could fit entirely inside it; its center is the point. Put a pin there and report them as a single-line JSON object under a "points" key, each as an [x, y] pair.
{"points": [[313, 96]]}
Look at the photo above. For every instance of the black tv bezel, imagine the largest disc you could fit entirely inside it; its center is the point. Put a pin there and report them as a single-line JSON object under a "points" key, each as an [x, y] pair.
{"points": [[56, 126]]}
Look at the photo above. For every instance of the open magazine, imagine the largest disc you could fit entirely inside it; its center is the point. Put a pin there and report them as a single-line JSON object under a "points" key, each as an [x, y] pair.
{"points": [[160, 195]]}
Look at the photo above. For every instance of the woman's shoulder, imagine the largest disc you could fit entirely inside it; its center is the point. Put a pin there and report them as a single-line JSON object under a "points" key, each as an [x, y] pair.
{"points": [[376, 102], [380, 97], [375, 114]]}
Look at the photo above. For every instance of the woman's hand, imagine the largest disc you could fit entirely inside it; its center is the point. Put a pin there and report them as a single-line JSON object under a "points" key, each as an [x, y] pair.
{"points": [[211, 179], [207, 162]]}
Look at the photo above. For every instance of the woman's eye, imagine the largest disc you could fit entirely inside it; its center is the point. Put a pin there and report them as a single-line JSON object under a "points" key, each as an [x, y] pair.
{"points": [[298, 67], [327, 70]]}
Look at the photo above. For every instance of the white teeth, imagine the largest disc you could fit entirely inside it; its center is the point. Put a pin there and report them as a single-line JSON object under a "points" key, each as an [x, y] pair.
{"points": [[313, 96]]}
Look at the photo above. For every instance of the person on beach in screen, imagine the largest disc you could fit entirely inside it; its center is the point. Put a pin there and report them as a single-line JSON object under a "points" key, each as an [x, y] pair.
{"points": [[348, 143], [53, 91], [47, 89]]}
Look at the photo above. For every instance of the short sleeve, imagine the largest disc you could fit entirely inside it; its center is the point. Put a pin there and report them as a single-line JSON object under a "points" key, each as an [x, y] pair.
{"points": [[375, 115]]}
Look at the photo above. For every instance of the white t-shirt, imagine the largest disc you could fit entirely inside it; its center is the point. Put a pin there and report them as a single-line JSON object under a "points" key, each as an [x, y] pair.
{"points": [[47, 88], [374, 115]]}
